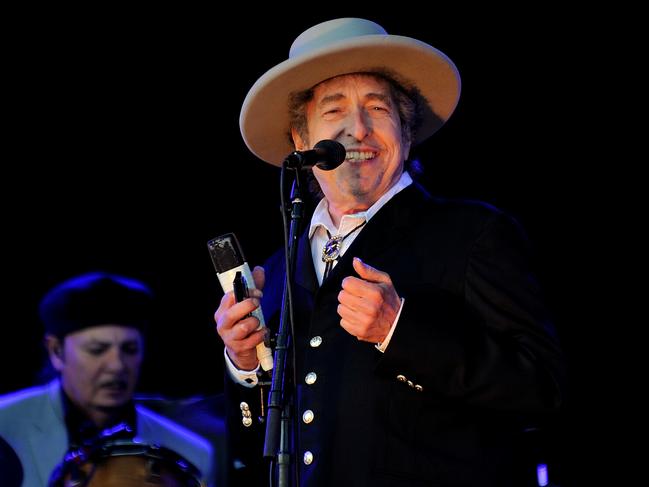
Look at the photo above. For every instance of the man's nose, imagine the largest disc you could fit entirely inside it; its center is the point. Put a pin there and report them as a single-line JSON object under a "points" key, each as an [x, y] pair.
{"points": [[358, 124], [115, 360]]}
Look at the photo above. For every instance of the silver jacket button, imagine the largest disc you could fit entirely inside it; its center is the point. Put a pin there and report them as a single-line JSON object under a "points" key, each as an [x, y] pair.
{"points": [[316, 341], [308, 416], [310, 378], [246, 415], [308, 458]]}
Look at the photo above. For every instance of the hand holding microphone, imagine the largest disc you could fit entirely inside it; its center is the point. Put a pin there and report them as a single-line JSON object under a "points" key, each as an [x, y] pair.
{"points": [[231, 267]]}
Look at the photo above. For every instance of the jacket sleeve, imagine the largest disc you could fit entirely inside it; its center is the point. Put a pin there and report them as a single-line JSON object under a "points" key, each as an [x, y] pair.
{"points": [[491, 344], [246, 465]]}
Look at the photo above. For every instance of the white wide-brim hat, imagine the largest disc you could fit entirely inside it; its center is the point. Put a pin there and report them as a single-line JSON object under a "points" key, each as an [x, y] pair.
{"points": [[338, 47]]}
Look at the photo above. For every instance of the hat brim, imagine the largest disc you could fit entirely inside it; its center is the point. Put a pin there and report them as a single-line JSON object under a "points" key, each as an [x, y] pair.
{"points": [[264, 117]]}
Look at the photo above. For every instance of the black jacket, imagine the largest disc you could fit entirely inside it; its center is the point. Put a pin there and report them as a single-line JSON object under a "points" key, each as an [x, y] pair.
{"points": [[472, 361]]}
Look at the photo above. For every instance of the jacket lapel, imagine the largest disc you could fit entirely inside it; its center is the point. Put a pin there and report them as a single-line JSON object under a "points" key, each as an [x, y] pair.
{"points": [[49, 429], [305, 275]]}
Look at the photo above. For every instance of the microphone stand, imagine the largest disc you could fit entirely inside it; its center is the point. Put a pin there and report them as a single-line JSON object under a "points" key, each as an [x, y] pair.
{"points": [[278, 433]]}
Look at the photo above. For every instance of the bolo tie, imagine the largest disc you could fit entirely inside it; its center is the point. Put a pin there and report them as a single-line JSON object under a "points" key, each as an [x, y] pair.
{"points": [[331, 250]]}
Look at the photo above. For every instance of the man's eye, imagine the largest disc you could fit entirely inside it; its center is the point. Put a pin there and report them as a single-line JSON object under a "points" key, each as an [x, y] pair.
{"points": [[96, 351]]}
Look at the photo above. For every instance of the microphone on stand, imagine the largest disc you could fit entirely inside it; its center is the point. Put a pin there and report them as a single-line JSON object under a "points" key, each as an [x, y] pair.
{"points": [[326, 155], [229, 261]]}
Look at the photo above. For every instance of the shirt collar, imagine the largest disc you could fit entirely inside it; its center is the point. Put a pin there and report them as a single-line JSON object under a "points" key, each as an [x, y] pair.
{"points": [[321, 217]]}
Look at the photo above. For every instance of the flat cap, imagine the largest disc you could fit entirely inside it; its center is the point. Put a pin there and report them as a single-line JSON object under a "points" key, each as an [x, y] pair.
{"points": [[96, 299]]}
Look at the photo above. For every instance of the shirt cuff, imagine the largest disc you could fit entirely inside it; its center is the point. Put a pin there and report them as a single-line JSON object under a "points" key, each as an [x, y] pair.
{"points": [[246, 378], [381, 347]]}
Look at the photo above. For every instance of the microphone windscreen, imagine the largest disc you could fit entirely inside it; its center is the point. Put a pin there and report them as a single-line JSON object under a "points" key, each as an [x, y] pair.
{"points": [[225, 252], [334, 153]]}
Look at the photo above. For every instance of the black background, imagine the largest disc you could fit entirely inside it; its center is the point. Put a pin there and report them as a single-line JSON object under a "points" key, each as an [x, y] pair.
{"points": [[124, 153]]}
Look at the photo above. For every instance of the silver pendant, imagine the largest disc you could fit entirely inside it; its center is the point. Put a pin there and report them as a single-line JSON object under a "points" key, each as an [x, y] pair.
{"points": [[331, 250]]}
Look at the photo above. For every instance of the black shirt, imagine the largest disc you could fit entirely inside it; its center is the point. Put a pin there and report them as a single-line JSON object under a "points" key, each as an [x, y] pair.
{"points": [[82, 431]]}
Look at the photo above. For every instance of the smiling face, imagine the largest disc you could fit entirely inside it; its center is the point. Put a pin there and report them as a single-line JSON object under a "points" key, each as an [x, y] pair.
{"points": [[358, 111], [99, 366]]}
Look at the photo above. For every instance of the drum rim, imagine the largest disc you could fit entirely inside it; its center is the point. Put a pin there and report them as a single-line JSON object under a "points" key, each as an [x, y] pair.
{"points": [[102, 450]]}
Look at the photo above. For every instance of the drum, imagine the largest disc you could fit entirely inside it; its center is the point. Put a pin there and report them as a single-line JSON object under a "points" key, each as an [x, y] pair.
{"points": [[125, 463]]}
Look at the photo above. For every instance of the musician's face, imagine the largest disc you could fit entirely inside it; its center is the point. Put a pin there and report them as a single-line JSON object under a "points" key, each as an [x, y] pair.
{"points": [[100, 365]]}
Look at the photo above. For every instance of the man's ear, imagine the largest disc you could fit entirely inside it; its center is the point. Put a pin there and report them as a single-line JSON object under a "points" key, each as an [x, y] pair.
{"points": [[54, 347], [298, 142]]}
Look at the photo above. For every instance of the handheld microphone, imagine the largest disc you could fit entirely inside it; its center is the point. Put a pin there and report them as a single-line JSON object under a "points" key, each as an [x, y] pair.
{"points": [[228, 260], [326, 155]]}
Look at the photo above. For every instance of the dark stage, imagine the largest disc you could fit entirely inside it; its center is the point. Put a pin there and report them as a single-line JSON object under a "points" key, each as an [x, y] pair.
{"points": [[125, 155]]}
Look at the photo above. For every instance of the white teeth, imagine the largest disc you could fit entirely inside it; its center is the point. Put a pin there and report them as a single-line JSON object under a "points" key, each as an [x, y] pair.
{"points": [[360, 156]]}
